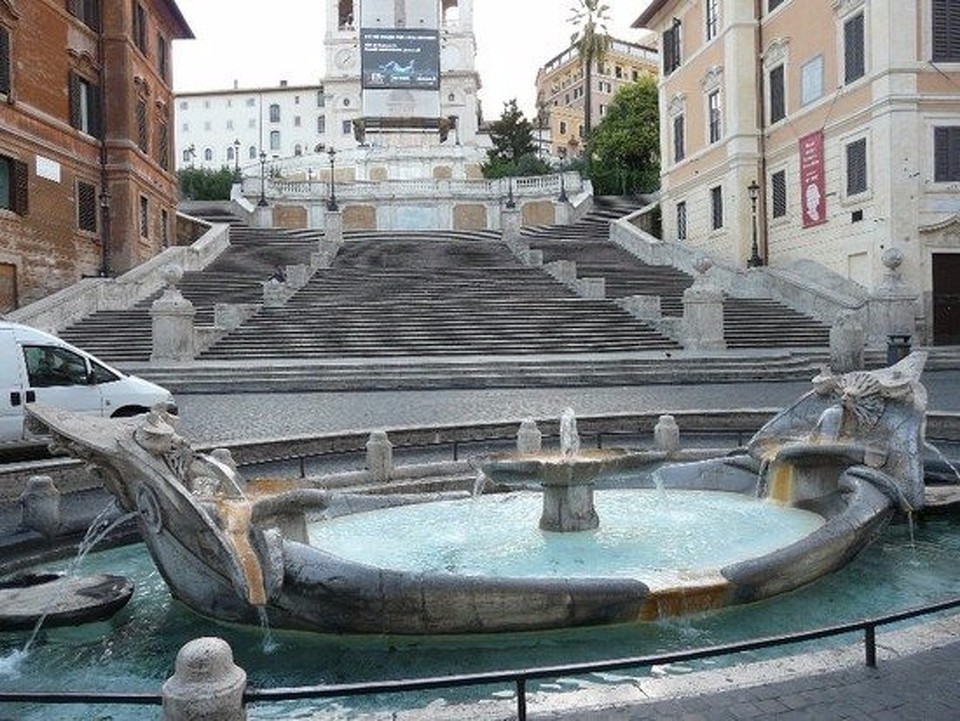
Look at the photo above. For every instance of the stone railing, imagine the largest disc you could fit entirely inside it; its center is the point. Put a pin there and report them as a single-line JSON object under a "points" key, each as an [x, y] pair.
{"points": [[538, 186], [90, 295]]}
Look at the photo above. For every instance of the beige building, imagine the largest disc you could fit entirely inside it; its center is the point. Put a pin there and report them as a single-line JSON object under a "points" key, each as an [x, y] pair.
{"points": [[561, 94], [847, 115]]}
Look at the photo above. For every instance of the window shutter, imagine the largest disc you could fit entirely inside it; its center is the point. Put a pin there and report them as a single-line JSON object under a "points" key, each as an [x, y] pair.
{"points": [[778, 108], [4, 61], [857, 167], [96, 112], [92, 14], [678, 140], [946, 31], [946, 154], [142, 124], [74, 86], [87, 207], [19, 200], [853, 50], [779, 192]]}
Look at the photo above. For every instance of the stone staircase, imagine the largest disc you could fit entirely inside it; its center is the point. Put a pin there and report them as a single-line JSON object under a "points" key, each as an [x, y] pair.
{"points": [[429, 294]]}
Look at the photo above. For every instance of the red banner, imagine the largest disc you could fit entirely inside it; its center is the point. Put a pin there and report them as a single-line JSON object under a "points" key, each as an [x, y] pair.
{"points": [[813, 193]]}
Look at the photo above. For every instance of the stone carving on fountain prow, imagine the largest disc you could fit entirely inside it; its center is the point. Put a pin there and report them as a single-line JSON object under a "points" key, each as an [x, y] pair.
{"points": [[869, 422]]}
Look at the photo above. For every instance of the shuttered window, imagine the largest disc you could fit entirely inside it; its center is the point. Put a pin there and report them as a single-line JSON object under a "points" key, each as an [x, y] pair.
{"points": [[853, 49], [678, 141], [140, 26], [86, 10], [14, 185], [778, 101], [778, 193], [163, 146], [716, 207], [773, 5], [4, 61], [671, 48], [713, 109], [857, 167], [946, 154], [84, 105], [946, 31], [86, 207], [712, 18], [142, 124], [682, 220]]}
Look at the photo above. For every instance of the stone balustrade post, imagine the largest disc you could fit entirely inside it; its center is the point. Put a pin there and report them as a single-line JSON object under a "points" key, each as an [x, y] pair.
{"points": [[332, 228], [510, 222], [643, 307], [847, 340], [893, 303], [592, 288], [274, 293], [380, 456], [703, 312], [172, 317], [206, 684]]}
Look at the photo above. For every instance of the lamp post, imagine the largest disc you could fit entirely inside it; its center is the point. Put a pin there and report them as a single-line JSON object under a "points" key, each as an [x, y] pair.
{"points": [[563, 161], [753, 190], [236, 160], [332, 203], [511, 203], [263, 173]]}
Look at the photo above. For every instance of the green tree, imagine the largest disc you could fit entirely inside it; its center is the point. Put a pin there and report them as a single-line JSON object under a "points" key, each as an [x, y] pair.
{"points": [[591, 40], [625, 146], [205, 184], [514, 151]]}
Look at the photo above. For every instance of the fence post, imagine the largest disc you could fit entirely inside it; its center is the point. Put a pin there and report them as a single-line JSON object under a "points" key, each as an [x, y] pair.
{"points": [[870, 644], [206, 684]]}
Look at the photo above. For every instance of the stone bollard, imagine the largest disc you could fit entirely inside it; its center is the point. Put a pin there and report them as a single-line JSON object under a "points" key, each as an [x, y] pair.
{"points": [[510, 222], [533, 258], [666, 434], [847, 340], [40, 506], [206, 684], [332, 229], [592, 288], [380, 456], [529, 438], [703, 312], [172, 316], [274, 293]]}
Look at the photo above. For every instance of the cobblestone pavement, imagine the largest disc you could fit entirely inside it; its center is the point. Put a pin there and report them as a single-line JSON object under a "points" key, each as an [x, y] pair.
{"points": [[222, 417]]}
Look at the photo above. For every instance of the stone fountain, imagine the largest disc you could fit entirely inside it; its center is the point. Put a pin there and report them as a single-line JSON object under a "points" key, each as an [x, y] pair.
{"points": [[847, 451]]}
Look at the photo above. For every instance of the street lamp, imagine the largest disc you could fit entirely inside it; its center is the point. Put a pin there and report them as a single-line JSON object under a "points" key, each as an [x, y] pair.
{"points": [[332, 203], [236, 160], [263, 173], [563, 160], [511, 203], [753, 190]]}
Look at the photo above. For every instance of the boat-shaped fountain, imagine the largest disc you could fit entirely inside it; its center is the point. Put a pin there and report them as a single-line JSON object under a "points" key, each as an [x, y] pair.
{"points": [[846, 455]]}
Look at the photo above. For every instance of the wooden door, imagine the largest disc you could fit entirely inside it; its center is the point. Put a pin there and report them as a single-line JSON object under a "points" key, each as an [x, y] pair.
{"points": [[946, 298]]}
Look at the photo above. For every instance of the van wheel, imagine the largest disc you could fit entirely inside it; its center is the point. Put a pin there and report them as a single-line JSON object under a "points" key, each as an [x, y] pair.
{"points": [[128, 411]]}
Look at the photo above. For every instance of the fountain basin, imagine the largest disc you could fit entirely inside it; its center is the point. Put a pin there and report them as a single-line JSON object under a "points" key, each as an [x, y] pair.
{"points": [[60, 600]]}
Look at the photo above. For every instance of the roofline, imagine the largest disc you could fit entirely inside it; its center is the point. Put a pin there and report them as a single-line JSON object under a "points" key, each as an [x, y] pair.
{"points": [[247, 91], [612, 39], [647, 15], [181, 20]]}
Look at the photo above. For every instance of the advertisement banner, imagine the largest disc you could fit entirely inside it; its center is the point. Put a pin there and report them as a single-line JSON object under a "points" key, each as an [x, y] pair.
{"points": [[400, 58], [813, 193]]}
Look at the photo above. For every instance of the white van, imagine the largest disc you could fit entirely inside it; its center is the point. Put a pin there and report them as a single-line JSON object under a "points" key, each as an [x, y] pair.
{"points": [[38, 367]]}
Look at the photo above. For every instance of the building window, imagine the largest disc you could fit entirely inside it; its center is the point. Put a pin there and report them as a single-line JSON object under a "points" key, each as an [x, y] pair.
{"points": [[716, 207], [563, 127], [13, 185], [778, 101], [946, 31], [296, 121], [208, 155], [321, 124], [298, 150], [853, 49], [857, 167], [4, 61], [682, 220], [163, 62], [163, 146], [274, 140], [230, 153], [142, 124], [140, 26], [84, 105], [88, 11], [274, 113], [251, 102], [164, 228], [347, 127], [712, 17], [773, 5], [678, 141], [252, 152], [187, 155], [671, 48], [229, 125], [713, 108], [321, 100], [86, 207], [778, 191], [811, 80], [144, 217], [946, 154]]}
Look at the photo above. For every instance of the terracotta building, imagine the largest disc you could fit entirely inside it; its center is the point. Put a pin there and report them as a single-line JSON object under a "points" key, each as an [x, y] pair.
{"points": [[844, 116], [561, 94], [87, 184]]}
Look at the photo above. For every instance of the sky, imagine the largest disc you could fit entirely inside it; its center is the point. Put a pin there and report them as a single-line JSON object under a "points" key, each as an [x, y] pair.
{"points": [[239, 40]]}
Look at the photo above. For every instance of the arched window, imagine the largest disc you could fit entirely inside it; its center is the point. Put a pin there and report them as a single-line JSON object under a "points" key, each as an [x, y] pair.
{"points": [[297, 149], [229, 152], [252, 153], [208, 154], [274, 140], [274, 113]]}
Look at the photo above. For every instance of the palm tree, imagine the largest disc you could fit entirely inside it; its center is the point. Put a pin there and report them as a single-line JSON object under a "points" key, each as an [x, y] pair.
{"points": [[591, 40]]}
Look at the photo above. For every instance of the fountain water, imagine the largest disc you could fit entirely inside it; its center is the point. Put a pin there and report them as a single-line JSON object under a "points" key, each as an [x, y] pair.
{"points": [[847, 452]]}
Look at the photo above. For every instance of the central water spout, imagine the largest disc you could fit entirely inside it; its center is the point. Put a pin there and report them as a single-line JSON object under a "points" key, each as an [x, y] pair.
{"points": [[569, 438]]}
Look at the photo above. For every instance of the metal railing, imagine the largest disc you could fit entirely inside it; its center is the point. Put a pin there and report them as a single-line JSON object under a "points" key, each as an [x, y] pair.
{"points": [[518, 678]]}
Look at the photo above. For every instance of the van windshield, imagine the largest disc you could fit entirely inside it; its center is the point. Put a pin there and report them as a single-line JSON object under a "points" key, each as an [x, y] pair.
{"points": [[54, 366]]}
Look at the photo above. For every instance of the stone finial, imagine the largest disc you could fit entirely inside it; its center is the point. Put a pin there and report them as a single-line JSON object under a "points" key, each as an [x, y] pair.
{"points": [[40, 506], [892, 258], [666, 434], [529, 438], [380, 456], [702, 265], [206, 684], [172, 275]]}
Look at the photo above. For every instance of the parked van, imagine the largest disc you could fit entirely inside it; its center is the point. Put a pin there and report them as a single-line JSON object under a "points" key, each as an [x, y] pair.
{"points": [[38, 367]]}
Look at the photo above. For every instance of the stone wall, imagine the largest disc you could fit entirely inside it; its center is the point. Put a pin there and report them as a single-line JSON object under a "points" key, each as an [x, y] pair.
{"points": [[291, 217], [470, 216]]}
